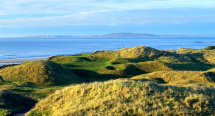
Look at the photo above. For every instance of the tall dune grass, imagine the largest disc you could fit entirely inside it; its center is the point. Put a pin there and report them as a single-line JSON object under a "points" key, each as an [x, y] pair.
{"points": [[126, 97]]}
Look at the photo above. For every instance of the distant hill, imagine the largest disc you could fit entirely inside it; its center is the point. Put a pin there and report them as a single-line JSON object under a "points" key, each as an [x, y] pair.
{"points": [[117, 35], [106, 35], [126, 35]]}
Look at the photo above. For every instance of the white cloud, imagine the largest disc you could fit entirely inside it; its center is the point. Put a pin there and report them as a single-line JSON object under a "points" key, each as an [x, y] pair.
{"points": [[97, 12], [102, 19], [8, 7]]}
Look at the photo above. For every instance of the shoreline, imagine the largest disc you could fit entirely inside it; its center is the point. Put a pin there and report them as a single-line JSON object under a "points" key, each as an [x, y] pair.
{"points": [[11, 61]]}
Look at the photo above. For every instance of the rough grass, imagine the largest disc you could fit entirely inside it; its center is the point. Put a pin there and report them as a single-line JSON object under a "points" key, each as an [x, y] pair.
{"points": [[205, 55], [39, 73], [150, 66], [134, 52], [176, 71], [175, 58], [10, 102], [179, 77], [126, 97], [137, 96]]}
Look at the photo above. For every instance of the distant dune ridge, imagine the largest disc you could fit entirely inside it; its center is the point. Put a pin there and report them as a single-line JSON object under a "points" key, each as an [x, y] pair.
{"points": [[139, 52], [39, 73], [134, 52]]}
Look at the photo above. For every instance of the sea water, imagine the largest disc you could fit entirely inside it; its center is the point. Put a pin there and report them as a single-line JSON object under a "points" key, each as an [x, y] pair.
{"points": [[27, 48]]}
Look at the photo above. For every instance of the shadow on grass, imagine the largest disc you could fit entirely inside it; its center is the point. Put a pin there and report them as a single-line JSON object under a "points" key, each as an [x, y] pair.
{"points": [[70, 65], [133, 70], [21, 90], [1, 80], [7, 65], [92, 75], [157, 80], [129, 60], [139, 60]]}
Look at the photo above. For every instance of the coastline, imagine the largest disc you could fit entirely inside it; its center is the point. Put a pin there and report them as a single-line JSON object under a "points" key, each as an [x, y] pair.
{"points": [[19, 61]]}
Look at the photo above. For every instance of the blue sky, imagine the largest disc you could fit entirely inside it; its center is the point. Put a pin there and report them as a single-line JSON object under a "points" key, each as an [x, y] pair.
{"points": [[91, 17]]}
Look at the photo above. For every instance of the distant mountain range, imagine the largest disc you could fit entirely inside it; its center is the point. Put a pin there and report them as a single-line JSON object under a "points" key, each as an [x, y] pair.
{"points": [[118, 35]]}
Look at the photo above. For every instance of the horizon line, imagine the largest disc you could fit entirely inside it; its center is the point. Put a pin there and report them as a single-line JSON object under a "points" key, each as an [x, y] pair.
{"points": [[99, 35]]}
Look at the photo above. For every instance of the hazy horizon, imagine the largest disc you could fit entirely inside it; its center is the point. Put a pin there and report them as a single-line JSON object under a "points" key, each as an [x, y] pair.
{"points": [[94, 35]]}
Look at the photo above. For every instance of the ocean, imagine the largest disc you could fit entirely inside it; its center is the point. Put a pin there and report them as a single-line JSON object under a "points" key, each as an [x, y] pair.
{"points": [[27, 48]]}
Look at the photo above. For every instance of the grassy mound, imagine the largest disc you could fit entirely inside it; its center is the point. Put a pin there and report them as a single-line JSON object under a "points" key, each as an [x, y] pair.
{"points": [[10, 102], [39, 73], [206, 55], [134, 52], [175, 58], [65, 59], [126, 97], [179, 77], [150, 66], [209, 48], [131, 69], [187, 50]]}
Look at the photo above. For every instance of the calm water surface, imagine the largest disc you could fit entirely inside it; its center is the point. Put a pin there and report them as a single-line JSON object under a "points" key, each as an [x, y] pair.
{"points": [[20, 48]]}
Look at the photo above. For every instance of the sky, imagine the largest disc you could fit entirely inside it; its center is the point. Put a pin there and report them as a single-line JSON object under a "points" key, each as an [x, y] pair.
{"points": [[95, 17]]}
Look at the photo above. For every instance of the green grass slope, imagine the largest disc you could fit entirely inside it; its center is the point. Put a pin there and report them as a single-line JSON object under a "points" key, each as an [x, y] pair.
{"points": [[127, 97], [79, 62], [131, 69], [39, 73], [10, 102], [129, 62]]}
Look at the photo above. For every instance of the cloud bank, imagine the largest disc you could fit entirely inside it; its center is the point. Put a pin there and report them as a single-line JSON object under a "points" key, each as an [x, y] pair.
{"points": [[33, 13]]}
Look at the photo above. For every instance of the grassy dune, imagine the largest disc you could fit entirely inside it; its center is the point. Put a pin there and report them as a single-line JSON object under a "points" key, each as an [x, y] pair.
{"points": [[39, 73], [127, 62], [179, 77], [127, 97], [131, 69], [134, 52], [206, 55], [161, 82]]}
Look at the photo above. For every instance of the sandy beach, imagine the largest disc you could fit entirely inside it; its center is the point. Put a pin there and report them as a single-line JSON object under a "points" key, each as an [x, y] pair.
{"points": [[20, 60]]}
